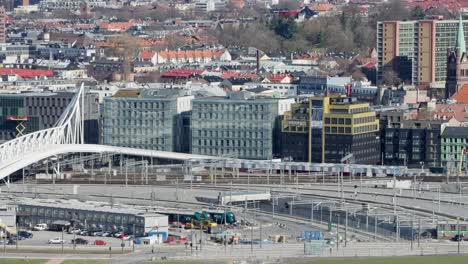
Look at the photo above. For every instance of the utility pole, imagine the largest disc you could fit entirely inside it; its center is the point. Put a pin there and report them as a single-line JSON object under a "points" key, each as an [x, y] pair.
{"points": [[17, 231], [133, 242], [62, 242], [375, 228], [346, 229], [261, 235], [459, 238], [201, 234], [251, 239], [419, 232], [412, 231], [337, 232]]}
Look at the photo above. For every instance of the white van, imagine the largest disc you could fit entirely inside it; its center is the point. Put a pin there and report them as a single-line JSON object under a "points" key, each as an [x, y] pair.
{"points": [[40, 227]]}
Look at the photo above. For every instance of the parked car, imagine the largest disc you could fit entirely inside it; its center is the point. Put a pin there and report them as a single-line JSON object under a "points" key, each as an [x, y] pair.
{"points": [[100, 242], [118, 234], [97, 233], [74, 231], [106, 234], [40, 227], [17, 237], [122, 236], [84, 232], [80, 241], [25, 234], [56, 241]]}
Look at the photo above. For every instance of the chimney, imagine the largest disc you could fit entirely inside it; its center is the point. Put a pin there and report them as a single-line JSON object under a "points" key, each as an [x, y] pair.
{"points": [[258, 61]]}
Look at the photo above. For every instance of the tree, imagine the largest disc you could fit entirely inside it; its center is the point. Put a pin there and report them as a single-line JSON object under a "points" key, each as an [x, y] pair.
{"points": [[289, 4], [284, 27], [253, 35], [390, 77], [417, 13], [126, 48], [441, 11]]}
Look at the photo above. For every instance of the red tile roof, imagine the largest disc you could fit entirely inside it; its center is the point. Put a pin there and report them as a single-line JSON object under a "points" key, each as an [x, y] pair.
{"points": [[116, 26], [147, 55], [182, 54], [276, 78], [447, 111], [427, 4], [181, 73], [462, 95], [321, 7], [27, 73]]}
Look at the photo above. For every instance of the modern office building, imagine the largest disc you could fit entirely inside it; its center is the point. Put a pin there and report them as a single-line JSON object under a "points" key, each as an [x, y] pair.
{"points": [[239, 125], [339, 126], [416, 50], [314, 84], [90, 216], [148, 119], [299, 143], [454, 142], [29, 112], [351, 127], [410, 142]]}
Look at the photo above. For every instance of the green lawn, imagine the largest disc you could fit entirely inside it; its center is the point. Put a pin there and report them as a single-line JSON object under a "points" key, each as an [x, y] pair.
{"points": [[390, 260]]}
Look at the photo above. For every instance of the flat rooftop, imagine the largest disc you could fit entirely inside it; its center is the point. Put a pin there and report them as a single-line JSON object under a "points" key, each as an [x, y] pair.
{"points": [[88, 206]]}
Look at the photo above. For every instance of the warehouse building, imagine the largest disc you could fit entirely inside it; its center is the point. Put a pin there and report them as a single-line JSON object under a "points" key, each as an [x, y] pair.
{"points": [[91, 216]]}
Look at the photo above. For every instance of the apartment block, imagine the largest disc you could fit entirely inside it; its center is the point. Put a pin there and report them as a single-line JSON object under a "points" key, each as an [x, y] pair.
{"points": [[416, 50], [2, 25]]}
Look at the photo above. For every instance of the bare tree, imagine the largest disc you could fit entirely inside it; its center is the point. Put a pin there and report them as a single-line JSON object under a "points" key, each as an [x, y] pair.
{"points": [[289, 4], [126, 48], [390, 77]]}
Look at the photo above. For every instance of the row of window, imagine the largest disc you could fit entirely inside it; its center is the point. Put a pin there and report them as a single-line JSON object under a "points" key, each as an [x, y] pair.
{"points": [[81, 215], [230, 134], [240, 153], [226, 107], [232, 116], [229, 143]]}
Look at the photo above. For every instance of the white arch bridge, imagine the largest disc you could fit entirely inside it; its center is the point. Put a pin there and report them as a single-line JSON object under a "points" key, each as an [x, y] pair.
{"points": [[67, 137]]}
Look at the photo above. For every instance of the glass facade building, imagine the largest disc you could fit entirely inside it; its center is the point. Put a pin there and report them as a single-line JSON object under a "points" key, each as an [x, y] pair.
{"points": [[42, 110], [147, 119], [238, 125]]}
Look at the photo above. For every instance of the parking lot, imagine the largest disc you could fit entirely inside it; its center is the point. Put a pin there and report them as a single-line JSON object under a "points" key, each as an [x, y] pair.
{"points": [[41, 238]]}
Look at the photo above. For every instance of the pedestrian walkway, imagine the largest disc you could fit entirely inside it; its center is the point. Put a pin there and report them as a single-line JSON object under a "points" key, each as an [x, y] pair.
{"points": [[54, 261]]}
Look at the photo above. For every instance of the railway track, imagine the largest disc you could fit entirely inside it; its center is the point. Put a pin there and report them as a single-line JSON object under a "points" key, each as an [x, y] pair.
{"points": [[278, 216]]}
